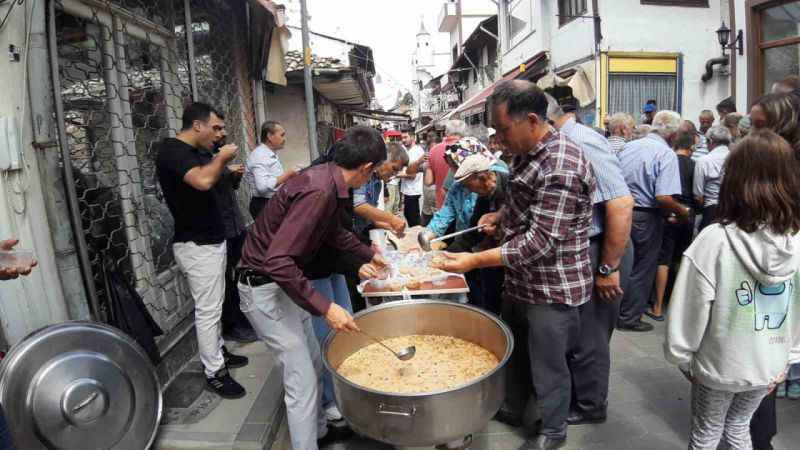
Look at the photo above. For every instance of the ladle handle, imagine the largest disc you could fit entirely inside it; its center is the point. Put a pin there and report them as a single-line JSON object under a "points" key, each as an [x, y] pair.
{"points": [[457, 233], [381, 344]]}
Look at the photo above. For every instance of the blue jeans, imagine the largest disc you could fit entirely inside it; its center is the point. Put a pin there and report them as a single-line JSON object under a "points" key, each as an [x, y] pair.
{"points": [[794, 373], [335, 288], [5, 434]]}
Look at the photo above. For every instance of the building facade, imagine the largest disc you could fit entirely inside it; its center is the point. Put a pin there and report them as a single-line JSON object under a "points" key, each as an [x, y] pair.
{"points": [[770, 46], [626, 51]]}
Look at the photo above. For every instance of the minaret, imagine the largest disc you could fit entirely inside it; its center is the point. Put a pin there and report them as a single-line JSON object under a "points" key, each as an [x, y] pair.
{"points": [[424, 51]]}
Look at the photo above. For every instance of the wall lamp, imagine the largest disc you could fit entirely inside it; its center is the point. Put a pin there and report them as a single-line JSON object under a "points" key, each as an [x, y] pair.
{"points": [[724, 35]]}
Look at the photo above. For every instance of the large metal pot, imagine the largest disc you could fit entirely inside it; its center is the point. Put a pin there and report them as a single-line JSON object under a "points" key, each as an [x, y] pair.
{"points": [[421, 419], [80, 385]]}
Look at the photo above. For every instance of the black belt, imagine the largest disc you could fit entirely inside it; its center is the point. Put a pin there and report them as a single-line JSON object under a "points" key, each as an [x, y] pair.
{"points": [[646, 209], [252, 278]]}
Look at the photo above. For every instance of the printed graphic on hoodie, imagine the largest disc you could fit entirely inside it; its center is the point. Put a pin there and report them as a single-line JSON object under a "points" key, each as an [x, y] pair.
{"points": [[771, 303]]}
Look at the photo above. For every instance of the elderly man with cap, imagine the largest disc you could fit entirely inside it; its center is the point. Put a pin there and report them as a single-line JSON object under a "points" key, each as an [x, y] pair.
{"points": [[648, 112], [488, 179], [459, 203]]}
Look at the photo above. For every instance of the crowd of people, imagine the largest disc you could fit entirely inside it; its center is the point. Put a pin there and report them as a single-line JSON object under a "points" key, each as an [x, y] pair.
{"points": [[583, 231]]}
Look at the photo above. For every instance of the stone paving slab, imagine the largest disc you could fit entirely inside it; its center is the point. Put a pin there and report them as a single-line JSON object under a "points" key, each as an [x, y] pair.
{"points": [[249, 423]]}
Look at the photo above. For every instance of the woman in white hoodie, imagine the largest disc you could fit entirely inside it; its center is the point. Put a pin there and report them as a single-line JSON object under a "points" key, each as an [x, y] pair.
{"points": [[734, 318]]}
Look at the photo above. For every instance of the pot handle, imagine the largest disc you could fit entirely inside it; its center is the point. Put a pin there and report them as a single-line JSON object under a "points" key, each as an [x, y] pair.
{"points": [[396, 410]]}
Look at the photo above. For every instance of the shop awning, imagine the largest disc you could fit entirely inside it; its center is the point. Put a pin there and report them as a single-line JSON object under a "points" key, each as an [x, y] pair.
{"points": [[477, 103], [582, 88], [392, 134]]}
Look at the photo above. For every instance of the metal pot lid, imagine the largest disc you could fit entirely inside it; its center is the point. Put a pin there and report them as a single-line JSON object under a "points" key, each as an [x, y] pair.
{"points": [[80, 385]]}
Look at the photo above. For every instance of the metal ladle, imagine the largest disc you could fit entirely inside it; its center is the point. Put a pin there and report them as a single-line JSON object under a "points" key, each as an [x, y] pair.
{"points": [[425, 242], [403, 355]]}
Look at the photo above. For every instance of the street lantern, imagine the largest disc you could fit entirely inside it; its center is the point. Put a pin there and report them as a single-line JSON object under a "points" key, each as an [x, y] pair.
{"points": [[723, 36]]}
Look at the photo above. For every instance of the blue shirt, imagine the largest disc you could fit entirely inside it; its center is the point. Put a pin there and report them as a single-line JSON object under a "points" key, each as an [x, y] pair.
{"points": [[651, 170], [369, 193], [605, 164], [459, 206]]}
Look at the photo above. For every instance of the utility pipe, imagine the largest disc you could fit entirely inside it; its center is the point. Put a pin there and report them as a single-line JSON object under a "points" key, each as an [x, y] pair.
{"points": [[311, 116]]}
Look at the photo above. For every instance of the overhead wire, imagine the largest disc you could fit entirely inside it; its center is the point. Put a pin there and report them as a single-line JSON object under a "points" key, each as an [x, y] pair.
{"points": [[10, 9]]}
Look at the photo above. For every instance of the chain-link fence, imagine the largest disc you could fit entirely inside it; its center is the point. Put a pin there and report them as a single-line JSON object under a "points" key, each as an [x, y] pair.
{"points": [[125, 75]]}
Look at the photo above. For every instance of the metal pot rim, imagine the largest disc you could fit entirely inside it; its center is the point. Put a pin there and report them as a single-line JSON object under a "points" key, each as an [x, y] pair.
{"points": [[17, 351], [403, 303]]}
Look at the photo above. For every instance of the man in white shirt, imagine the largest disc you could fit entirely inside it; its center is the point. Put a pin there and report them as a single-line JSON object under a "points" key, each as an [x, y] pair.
{"points": [[708, 172], [263, 170], [411, 179]]}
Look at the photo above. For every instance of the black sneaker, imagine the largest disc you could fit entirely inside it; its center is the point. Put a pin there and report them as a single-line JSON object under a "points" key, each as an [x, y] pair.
{"points": [[337, 434], [234, 361], [580, 418], [223, 385], [639, 327], [242, 335]]}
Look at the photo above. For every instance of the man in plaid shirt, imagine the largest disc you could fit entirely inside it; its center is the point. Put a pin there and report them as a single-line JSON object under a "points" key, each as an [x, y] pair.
{"points": [[544, 228]]}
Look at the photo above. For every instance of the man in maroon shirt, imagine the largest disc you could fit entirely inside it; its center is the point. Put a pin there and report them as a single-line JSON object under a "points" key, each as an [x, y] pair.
{"points": [[278, 298]]}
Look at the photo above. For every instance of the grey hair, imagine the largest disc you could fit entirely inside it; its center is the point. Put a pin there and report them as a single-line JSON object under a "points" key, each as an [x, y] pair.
{"points": [[719, 134], [619, 120], [745, 125], [666, 123], [707, 113], [397, 152], [641, 130], [456, 127], [479, 132]]}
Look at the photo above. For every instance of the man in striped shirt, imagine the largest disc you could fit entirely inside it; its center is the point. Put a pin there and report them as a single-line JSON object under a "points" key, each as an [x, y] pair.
{"points": [[544, 230], [621, 126]]}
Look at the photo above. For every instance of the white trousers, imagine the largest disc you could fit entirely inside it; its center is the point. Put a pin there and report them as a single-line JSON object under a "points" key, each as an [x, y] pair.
{"points": [[287, 331], [204, 268]]}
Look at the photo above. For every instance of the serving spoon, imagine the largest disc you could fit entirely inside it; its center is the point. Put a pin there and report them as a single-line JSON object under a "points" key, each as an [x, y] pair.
{"points": [[403, 355], [425, 242]]}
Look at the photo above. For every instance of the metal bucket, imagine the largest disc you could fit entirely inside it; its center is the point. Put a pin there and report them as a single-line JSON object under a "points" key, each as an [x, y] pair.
{"points": [[430, 418]]}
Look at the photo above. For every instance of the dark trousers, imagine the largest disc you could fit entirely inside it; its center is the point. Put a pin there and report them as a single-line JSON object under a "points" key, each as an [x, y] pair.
{"points": [[232, 316], [553, 334], [257, 204], [426, 219], [492, 289], [764, 424], [709, 216], [519, 385], [6, 443], [475, 294], [646, 235], [411, 210], [590, 362]]}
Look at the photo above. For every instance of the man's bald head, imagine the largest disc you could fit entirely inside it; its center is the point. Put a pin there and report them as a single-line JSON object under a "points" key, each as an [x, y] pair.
{"points": [[521, 98]]}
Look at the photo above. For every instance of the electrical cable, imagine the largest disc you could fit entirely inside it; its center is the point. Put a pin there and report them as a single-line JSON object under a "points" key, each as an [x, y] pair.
{"points": [[22, 182], [10, 9]]}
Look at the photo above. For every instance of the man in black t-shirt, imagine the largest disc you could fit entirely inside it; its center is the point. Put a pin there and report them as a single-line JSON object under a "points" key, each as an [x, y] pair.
{"points": [[189, 175]]}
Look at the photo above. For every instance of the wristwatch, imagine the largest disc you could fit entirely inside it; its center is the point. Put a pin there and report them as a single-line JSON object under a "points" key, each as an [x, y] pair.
{"points": [[606, 270]]}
